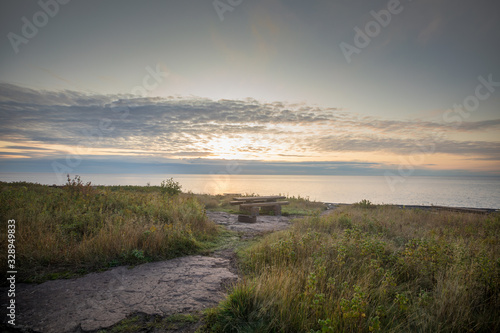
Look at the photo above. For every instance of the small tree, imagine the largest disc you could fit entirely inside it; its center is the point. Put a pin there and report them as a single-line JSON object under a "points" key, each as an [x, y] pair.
{"points": [[170, 187], [365, 204], [76, 187]]}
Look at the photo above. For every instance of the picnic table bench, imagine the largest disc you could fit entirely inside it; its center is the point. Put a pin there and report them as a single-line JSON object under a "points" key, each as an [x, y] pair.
{"points": [[252, 205]]}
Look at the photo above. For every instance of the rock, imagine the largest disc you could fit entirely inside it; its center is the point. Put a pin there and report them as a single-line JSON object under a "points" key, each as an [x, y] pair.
{"points": [[99, 300]]}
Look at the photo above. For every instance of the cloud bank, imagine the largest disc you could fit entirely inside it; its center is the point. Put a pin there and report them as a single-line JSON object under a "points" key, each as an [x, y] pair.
{"points": [[47, 125]]}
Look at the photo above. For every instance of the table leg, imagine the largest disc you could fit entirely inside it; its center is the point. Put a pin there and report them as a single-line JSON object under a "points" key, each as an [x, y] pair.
{"points": [[277, 210], [254, 211]]}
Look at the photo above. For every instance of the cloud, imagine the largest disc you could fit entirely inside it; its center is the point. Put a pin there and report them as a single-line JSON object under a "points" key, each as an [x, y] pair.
{"points": [[26, 96], [135, 165], [479, 125], [26, 148], [219, 168], [53, 122]]}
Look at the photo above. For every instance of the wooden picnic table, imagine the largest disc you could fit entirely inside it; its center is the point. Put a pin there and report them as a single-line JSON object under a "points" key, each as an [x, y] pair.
{"points": [[269, 198], [252, 205]]}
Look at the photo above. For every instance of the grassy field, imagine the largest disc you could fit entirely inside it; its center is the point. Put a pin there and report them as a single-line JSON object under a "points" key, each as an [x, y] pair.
{"points": [[361, 268], [79, 228], [368, 268]]}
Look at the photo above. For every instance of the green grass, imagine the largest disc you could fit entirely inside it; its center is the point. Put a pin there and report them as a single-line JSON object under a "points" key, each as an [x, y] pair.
{"points": [[381, 269], [128, 325], [141, 322], [182, 318], [62, 232], [302, 206]]}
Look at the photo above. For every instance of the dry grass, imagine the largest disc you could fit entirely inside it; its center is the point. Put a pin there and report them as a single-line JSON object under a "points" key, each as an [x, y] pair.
{"points": [[377, 269], [78, 228]]}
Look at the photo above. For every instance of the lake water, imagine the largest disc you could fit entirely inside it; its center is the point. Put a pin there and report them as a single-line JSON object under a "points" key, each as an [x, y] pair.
{"points": [[477, 192]]}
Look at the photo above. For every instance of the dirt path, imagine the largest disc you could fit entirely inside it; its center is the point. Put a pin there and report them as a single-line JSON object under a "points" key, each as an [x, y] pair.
{"points": [[264, 223], [99, 300]]}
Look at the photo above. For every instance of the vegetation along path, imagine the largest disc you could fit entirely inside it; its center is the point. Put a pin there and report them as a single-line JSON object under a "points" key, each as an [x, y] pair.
{"points": [[100, 300]]}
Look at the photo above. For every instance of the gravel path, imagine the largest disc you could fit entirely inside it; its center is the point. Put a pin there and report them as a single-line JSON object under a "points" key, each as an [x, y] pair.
{"points": [[99, 300]]}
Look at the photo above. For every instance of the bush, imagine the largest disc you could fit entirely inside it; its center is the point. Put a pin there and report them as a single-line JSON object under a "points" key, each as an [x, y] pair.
{"points": [[365, 204], [170, 187]]}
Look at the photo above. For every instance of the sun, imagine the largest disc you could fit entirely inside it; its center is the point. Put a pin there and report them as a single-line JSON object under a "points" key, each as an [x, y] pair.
{"points": [[224, 147], [241, 146]]}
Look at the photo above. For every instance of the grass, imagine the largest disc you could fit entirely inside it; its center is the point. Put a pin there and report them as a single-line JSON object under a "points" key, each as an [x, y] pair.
{"points": [[62, 232], [302, 206], [141, 322], [128, 325], [381, 269], [362, 268]]}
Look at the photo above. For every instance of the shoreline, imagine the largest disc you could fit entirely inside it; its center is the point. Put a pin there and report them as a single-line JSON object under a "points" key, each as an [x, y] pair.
{"points": [[331, 206], [480, 194]]}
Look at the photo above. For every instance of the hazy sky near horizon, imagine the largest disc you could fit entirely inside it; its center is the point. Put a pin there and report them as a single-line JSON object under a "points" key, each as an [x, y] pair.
{"points": [[382, 84]]}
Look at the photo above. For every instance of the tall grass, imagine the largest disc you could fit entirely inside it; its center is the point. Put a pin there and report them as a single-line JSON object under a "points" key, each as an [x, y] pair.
{"points": [[381, 269], [302, 206], [83, 228]]}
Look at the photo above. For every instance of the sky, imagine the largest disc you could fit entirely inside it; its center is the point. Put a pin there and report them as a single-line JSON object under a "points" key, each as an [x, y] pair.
{"points": [[255, 87]]}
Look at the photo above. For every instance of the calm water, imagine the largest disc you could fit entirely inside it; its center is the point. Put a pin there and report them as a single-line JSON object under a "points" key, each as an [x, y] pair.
{"points": [[447, 191]]}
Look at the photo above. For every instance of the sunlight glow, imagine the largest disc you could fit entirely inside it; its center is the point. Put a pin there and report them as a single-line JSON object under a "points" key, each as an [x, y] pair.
{"points": [[242, 147]]}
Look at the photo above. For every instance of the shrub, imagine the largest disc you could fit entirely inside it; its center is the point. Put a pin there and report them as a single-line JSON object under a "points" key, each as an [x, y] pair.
{"points": [[365, 204], [170, 187]]}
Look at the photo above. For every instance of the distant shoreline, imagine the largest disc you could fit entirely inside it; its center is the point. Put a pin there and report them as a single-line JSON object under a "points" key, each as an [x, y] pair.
{"points": [[459, 194], [331, 206]]}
